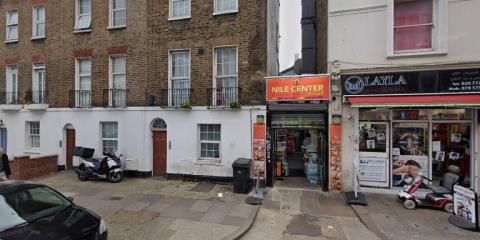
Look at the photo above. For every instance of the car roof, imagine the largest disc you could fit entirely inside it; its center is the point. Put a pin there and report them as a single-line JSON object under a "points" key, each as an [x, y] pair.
{"points": [[15, 185]]}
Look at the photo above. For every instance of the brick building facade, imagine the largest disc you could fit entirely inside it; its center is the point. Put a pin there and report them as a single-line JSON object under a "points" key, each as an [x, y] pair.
{"points": [[60, 74]]}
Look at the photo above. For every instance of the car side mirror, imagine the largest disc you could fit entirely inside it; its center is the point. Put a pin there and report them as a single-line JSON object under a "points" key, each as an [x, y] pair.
{"points": [[70, 199]]}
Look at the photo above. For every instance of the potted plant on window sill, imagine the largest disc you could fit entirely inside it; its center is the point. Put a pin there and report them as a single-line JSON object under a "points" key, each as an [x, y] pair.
{"points": [[235, 105], [186, 105]]}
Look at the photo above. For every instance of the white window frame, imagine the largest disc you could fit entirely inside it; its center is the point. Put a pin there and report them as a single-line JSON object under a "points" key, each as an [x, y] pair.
{"points": [[215, 63], [12, 90], [170, 73], [38, 90], [35, 22], [102, 138], [77, 80], [115, 97], [170, 14], [200, 141], [11, 25], [78, 16], [439, 32], [29, 135], [112, 10], [217, 12], [112, 74]]}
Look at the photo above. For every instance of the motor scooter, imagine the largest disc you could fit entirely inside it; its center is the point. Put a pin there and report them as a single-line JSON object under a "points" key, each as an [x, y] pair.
{"points": [[108, 167], [440, 196]]}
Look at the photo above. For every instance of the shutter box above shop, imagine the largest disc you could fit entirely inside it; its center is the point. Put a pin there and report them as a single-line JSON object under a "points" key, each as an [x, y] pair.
{"points": [[414, 101]]}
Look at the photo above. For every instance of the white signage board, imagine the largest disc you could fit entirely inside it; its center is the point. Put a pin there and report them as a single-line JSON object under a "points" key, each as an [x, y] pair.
{"points": [[372, 169], [465, 204]]}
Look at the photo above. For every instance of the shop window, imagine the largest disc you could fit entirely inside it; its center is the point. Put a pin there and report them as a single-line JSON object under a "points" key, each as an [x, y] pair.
{"points": [[373, 137], [374, 115], [451, 114], [410, 114], [210, 136]]}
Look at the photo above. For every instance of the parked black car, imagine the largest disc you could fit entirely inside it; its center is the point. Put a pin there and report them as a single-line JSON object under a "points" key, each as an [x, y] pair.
{"points": [[31, 211]]}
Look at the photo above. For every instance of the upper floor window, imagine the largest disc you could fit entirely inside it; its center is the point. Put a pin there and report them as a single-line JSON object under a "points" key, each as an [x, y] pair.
{"points": [[118, 13], [180, 77], [38, 84], [83, 14], [38, 21], [83, 82], [11, 94], [179, 9], [12, 26], [226, 76], [413, 24], [417, 27], [225, 6]]}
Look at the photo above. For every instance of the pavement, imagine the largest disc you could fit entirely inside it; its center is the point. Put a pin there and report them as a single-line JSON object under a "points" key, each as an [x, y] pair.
{"points": [[160, 209]]}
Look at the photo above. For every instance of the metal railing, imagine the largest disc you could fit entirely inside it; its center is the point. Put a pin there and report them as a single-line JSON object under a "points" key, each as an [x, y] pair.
{"points": [[224, 97], [115, 98], [176, 98], [36, 97], [80, 98], [9, 98]]}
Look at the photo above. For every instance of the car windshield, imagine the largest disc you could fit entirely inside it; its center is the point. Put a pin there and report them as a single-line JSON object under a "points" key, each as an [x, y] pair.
{"points": [[28, 205]]}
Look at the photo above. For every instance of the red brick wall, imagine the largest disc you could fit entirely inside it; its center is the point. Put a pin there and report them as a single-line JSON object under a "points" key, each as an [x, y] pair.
{"points": [[24, 167]]}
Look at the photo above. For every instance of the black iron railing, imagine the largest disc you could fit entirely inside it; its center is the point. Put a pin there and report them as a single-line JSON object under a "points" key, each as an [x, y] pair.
{"points": [[36, 97], [9, 98], [175, 98], [227, 97], [80, 98], [115, 98]]}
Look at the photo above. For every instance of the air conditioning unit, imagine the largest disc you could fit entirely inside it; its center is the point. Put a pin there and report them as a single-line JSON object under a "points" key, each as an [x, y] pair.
{"points": [[132, 164]]}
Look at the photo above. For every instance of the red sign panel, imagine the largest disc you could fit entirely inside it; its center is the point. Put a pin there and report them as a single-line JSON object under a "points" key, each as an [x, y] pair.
{"points": [[298, 88], [259, 150]]}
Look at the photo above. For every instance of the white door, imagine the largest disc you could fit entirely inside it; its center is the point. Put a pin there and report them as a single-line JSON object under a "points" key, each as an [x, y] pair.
{"points": [[373, 155]]}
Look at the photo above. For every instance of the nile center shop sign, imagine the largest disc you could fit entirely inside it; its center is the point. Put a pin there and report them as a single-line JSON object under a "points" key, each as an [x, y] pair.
{"points": [[423, 82], [298, 88]]}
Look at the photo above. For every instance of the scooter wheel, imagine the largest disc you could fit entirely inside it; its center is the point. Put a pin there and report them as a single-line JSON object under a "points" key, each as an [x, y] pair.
{"points": [[82, 177], [409, 204], [448, 207], [115, 177]]}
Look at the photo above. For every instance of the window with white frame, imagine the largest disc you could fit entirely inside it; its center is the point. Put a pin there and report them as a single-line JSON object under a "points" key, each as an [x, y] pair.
{"points": [[118, 13], [83, 9], [83, 82], [33, 135], [225, 6], [118, 81], [38, 21], [12, 25], [226, 76], [210, 138], [38, 84], [110, 136], [180, 77], [417, 26], [11, 95], [180, 9]]}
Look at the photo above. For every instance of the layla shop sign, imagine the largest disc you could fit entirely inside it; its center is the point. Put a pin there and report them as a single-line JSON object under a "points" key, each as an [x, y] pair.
{"points": [[426, 82], [298, 88]]}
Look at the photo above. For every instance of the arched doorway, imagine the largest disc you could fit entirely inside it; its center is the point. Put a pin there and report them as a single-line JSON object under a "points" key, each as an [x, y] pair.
{"points": [[69, 145], [159, 140]]}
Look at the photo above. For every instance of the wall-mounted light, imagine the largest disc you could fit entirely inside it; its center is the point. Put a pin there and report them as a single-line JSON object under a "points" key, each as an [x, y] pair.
{"points": [[336, 119]]}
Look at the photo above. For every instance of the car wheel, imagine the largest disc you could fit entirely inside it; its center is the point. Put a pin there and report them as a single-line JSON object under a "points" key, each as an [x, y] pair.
{"points": [[115, 177], [448, 207], [409, 204]]}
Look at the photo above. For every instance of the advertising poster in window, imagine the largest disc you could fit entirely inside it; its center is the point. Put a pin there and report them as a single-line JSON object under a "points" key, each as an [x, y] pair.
{"points": [[372, 169], [259, 149], [465, 204], [411, 143]]}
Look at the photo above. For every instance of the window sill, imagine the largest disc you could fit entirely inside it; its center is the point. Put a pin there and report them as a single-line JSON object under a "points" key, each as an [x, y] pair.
{"points": [[213, 162], [38, 38], [32, 151], [11, 41], [179, 18], [76, 31], [225, 12], [117, 27], [416, 54]]}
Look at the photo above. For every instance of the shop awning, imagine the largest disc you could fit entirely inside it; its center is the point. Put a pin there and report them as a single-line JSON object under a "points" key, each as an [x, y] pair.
{"points": [[415, 101]]}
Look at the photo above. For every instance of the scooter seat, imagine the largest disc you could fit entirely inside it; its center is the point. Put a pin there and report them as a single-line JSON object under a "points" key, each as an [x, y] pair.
{"points": [[439, 189]]}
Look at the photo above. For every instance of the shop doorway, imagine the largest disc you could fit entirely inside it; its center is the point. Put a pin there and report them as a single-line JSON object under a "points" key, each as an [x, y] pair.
{"points": [[299, 150], [374, 154]]}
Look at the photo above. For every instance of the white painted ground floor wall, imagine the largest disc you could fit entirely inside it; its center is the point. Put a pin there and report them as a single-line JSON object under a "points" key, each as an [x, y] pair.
{"points": [[135, 134]]}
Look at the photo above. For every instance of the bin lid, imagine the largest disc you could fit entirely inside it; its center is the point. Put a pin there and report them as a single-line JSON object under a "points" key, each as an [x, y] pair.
{"points": [[242, 163]]}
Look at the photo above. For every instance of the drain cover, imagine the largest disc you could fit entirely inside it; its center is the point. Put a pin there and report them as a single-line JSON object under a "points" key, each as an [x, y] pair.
{"points": [[116, 198]]}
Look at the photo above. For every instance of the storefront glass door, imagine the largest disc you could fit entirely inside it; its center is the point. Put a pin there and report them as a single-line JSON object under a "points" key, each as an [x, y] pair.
{"points": [[373, 154], [410, 151]]}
